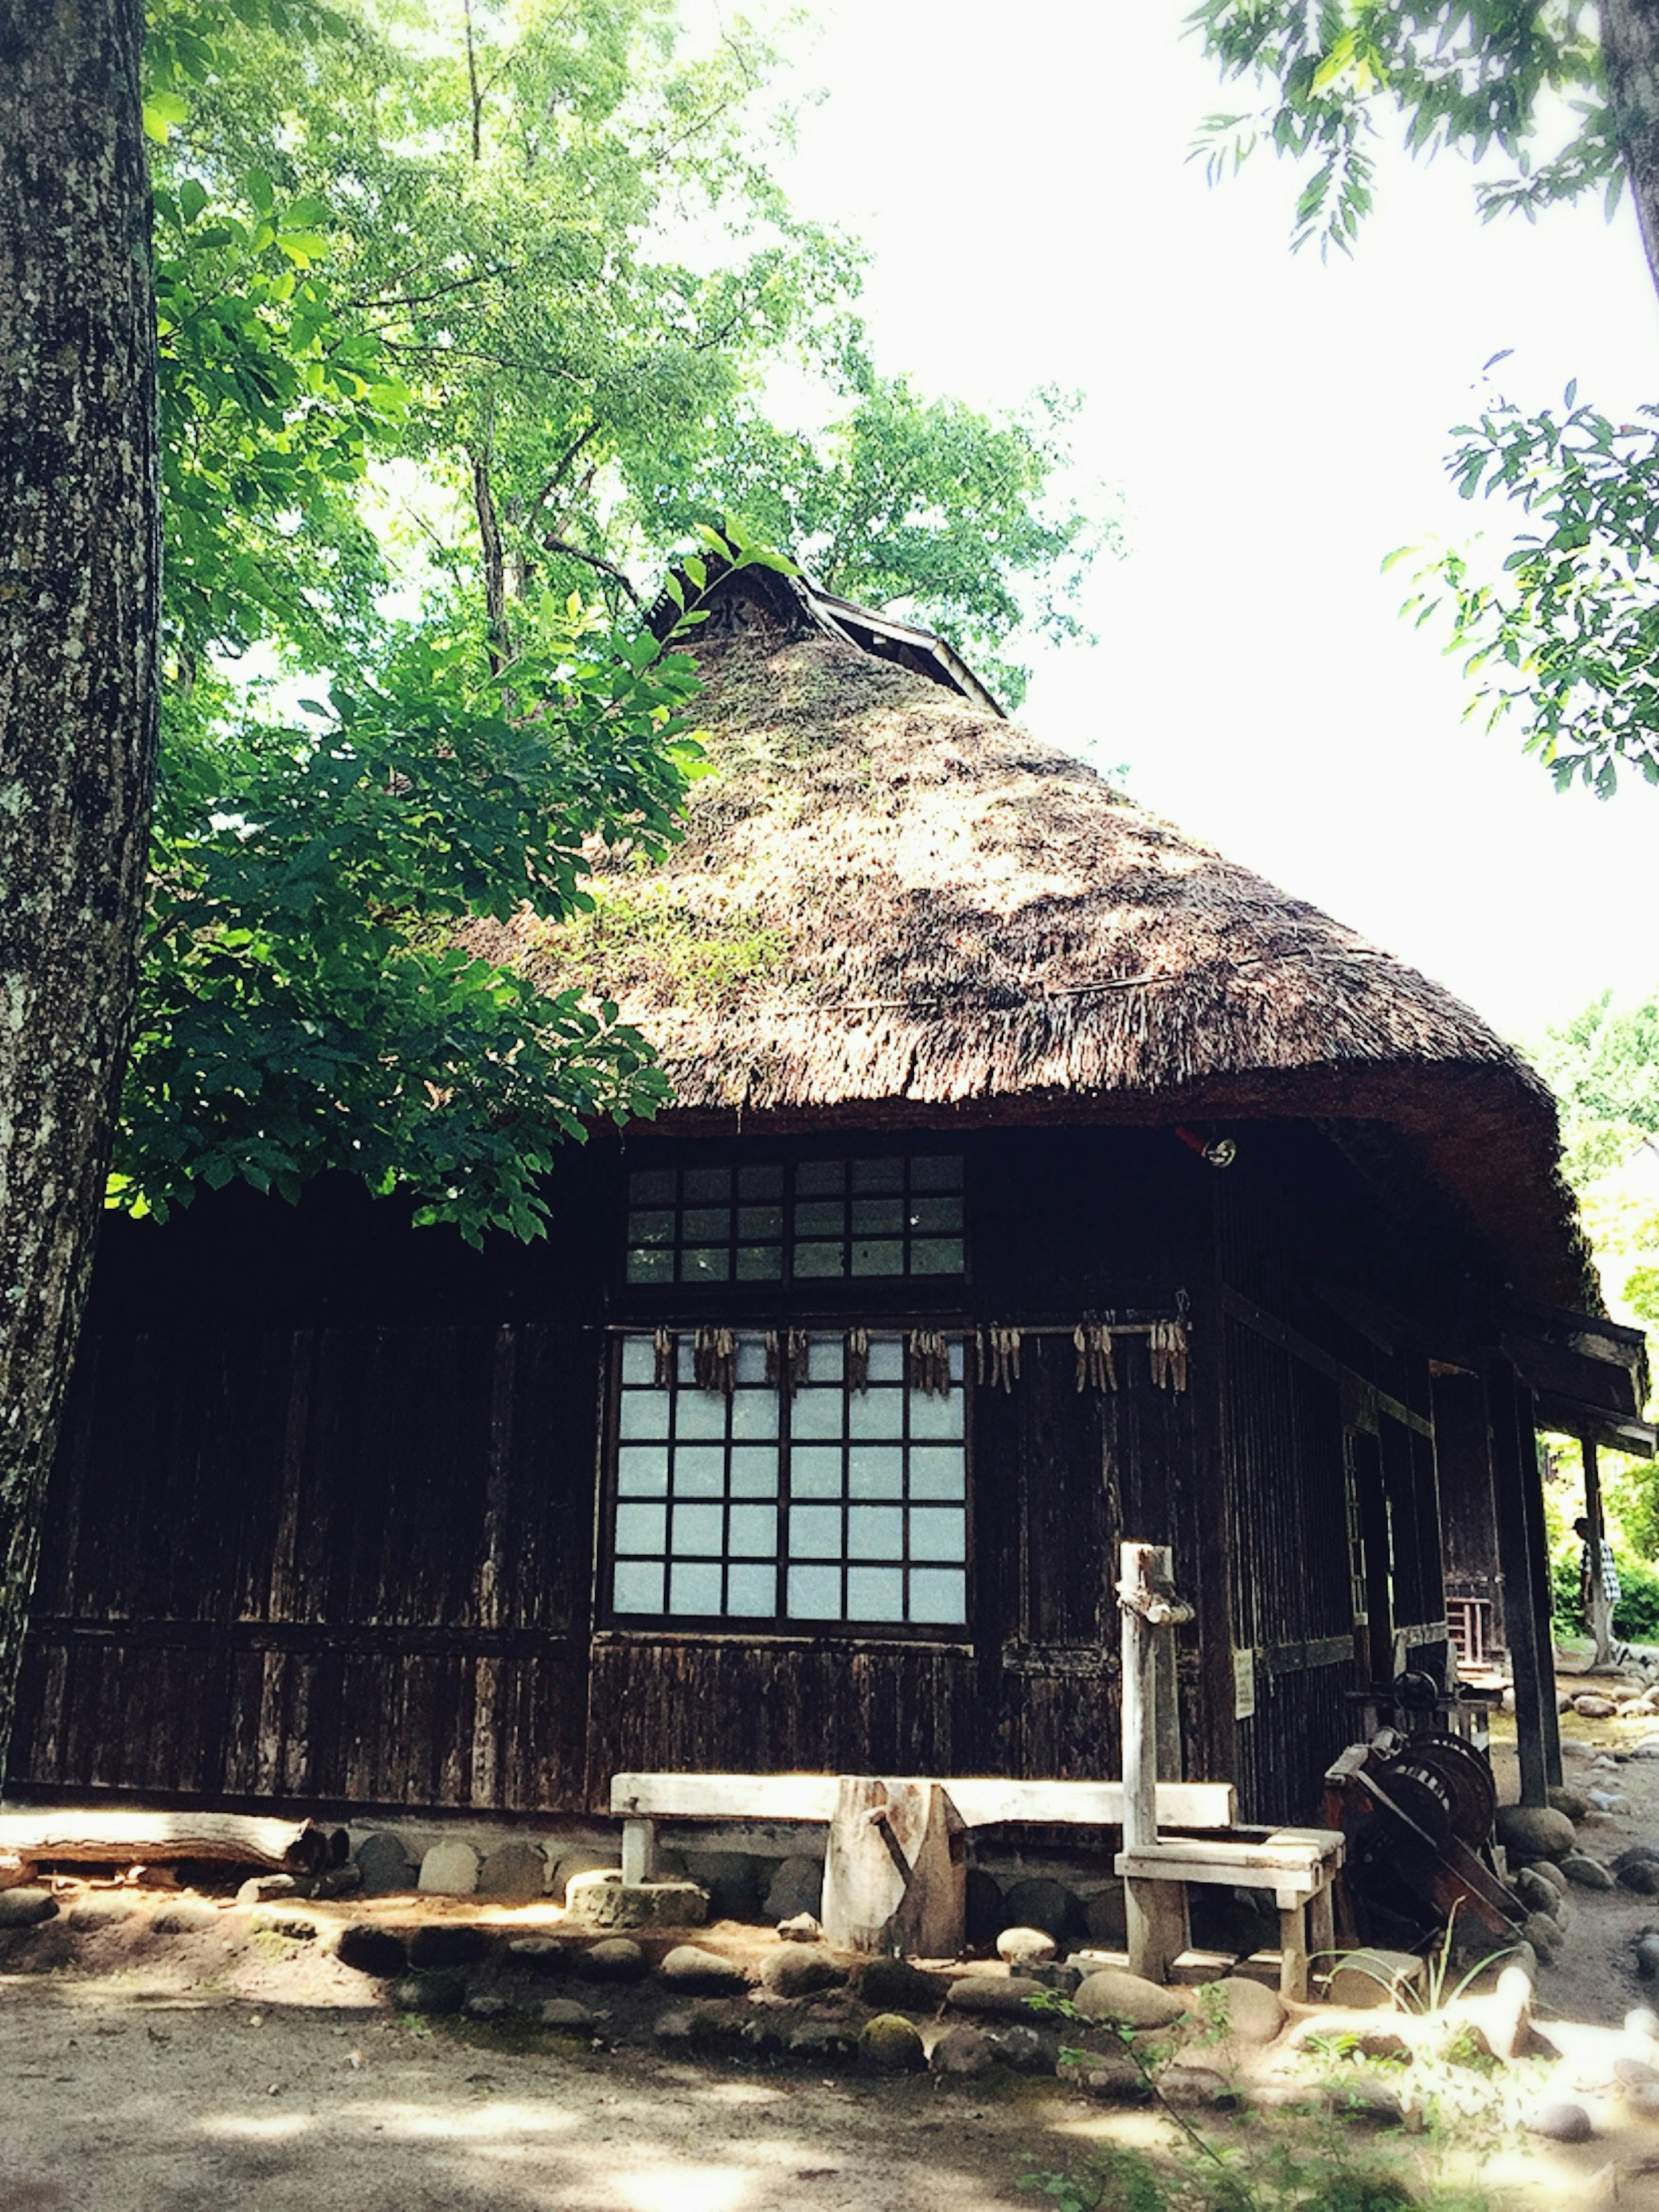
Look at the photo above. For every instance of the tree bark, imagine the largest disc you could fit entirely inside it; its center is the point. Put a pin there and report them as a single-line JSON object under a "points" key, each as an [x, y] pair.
{"points": [[1630, 54], [79, 563]]}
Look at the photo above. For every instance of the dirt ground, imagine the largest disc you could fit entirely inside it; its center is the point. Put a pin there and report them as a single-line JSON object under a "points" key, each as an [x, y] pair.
{"points": [[141, 2071]]}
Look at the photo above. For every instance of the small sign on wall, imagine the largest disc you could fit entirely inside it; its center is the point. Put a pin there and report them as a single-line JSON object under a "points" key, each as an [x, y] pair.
{"points": [[1243, 1683]]}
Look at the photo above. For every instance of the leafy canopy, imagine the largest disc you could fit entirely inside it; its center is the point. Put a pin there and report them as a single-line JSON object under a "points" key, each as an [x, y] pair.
{"points": [[1563, 631], [446, 295]]}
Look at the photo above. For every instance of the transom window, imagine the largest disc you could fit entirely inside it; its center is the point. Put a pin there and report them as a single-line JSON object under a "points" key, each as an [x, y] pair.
{"points": [[816, 1220], [842, 1499]]}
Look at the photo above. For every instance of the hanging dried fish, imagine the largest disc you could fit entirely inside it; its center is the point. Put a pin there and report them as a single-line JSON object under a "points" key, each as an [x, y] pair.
{"points": [[979, 1355], [663, 1374], [770, 1340], [930, 1362], [799, 1360], [858, 1359], [1167, 1351], [1005, 1359], [714, 1360], [1095, 1370]]}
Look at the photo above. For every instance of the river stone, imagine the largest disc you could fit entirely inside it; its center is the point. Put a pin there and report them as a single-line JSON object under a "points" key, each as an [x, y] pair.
{"points": [[370, 1950], [1023, 2048], [1588, 1873], [1544, 1932], [797, 1970], [1546, 1870], [186, 1916], [688, 1967], [800, 1928], [563, 2013], [1594, 1706], [1534, 1832], [1647, 1955], [1641, 1875], [1642, 2099], [821, 2043], [732, 1880], [1363, 1980], [287, 1921], [890, 2044], [542, 1954], [450, 1869], [1025, 1947], [442, 1943], [983, 1912], [1000, 1996], [433, 1994], [1572, 1802], [515, 1871], [1643, 2023], [385, 1866], [1037, 1902], [25, 1908], [797, 1887], [581, 1860], [895, 1985], [1113, 2077], [964, 2052], [1559, 2120], [1533, 1892], [1115, 1993], [1628, 2070], [618, 1959], [1106, 1917], [1253, 2012], [112, 1910]]}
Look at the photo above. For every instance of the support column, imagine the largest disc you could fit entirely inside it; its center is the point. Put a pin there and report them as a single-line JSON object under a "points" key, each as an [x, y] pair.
{"points": [[1543, 1590], [1514, 1471], [1600, 1613], [1156, 1911]]}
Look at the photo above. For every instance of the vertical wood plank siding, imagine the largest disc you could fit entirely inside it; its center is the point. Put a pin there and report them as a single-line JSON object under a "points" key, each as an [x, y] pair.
{"points": [[323, 1529]]}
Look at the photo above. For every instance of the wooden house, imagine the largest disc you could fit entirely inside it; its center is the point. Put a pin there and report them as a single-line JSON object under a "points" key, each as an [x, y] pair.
{"points": [[1036, 1178]]}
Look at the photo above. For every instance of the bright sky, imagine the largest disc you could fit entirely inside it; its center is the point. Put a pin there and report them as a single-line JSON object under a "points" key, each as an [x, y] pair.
{"points": [[1274, 428]]}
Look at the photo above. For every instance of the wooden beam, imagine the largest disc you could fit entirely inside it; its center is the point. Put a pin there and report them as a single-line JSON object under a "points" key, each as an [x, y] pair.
{"points": [[983, 1801], [1514, 1467]]}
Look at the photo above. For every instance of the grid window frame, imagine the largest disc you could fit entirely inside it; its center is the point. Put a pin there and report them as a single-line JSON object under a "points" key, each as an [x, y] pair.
{"points": [[894, 1512], [789, 1228]]}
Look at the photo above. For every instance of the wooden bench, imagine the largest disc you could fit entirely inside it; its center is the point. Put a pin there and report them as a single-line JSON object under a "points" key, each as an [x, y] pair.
{"points": [[1298, 1865]]}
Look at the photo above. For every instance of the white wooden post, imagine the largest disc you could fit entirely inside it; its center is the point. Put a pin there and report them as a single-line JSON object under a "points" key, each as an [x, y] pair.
{"points": [[639, 1852], [1600, 1613], [1157, 1911]]}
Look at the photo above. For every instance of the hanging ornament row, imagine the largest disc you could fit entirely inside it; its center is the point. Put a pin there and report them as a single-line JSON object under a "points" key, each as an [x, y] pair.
{"points": [[998, 1352]]}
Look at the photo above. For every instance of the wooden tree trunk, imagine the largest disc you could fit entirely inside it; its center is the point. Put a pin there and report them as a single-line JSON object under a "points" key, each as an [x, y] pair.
{"points": [[79, 574], [1629, 51], [895, 1870]]}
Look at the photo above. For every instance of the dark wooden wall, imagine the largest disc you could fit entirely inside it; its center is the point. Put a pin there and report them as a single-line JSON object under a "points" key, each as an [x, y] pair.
{"points": [[324, 1527]]}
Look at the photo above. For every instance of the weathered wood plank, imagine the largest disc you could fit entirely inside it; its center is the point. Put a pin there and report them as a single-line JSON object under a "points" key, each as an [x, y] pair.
{"points": [[982, 1801]]}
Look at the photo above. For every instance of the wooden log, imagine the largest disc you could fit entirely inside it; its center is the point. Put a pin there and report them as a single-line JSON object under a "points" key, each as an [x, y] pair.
{"points": [[132, 1839], [15, 1871], [896, 1872]]}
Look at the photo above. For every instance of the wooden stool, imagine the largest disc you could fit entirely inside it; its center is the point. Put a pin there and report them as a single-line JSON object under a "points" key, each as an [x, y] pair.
{"points": [[1298, 1865]]}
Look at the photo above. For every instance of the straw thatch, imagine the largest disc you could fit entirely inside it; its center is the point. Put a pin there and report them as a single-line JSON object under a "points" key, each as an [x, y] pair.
{"points": [[892, 906]]}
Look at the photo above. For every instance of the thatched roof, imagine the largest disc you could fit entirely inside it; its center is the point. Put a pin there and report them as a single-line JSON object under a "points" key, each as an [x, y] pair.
{"points": [[893, 906]]}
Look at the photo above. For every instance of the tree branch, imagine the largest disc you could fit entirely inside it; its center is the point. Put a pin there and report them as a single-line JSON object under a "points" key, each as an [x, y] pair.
{"points": [[594, 561]]}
